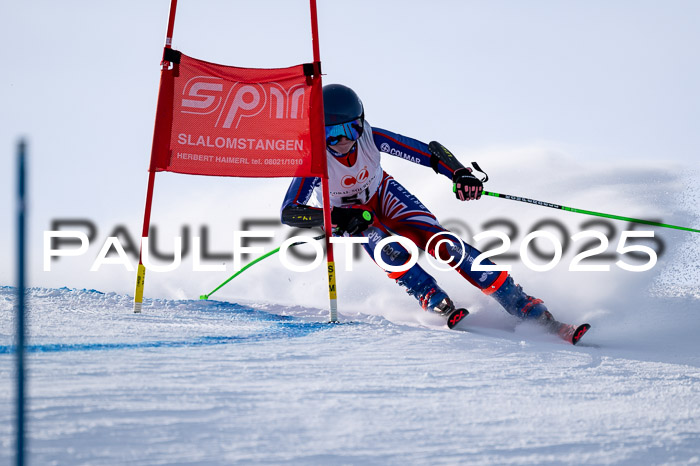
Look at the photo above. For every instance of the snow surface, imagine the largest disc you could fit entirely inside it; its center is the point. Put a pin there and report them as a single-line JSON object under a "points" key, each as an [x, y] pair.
{"points": [[209, 382], [249, 378]]}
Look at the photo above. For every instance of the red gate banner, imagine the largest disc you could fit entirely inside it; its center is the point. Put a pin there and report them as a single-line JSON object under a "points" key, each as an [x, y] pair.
{"points": [[228, 121]]}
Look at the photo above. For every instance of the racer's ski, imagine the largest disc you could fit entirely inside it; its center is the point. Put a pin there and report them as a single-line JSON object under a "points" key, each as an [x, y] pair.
{"points": [[455, 316], [571, 333]]}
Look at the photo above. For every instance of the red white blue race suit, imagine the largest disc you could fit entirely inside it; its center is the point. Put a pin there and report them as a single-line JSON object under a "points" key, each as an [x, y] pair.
{"points": [[357, 179]]}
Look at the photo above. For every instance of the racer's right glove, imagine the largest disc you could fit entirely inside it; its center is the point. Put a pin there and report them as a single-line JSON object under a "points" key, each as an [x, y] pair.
{"points": [[351, 221]]}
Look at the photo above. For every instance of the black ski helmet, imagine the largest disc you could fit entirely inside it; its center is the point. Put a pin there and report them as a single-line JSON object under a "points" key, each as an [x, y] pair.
{"points": [[341, 104]]}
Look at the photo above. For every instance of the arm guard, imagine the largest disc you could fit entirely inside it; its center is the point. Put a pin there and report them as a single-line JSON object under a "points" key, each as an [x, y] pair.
{"points": [[302, 216]]}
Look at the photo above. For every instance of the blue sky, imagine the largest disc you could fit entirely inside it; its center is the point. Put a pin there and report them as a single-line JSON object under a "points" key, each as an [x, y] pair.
{"points": [[607, 83]]}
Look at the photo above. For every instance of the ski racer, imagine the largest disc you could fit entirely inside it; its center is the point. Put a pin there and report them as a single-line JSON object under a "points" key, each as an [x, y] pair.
{"points": [[367, 201]]}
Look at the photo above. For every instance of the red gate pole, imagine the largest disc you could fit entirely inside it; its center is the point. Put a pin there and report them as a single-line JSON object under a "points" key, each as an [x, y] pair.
{"points": [[333, 312], [141, 271]]}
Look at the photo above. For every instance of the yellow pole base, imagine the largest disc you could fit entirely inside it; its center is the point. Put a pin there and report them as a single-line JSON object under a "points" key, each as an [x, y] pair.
{"points": [[332, 292], [138, 294]]}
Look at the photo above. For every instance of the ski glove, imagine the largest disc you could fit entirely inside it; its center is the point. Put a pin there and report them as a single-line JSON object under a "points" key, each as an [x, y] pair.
{"points": [[465, 185], [351, 221]]}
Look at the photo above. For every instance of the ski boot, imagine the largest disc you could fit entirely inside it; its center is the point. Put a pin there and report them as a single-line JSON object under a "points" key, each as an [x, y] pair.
{"points": [[517, 303], [422, 286]]}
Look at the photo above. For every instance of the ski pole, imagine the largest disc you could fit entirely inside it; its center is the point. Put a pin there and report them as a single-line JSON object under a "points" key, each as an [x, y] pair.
{"points": [[252, 263], [440, 154], [587, 212]]}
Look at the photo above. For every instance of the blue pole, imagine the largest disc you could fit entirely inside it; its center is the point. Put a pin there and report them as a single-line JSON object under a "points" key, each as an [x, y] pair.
{"points": [[21, 232]]}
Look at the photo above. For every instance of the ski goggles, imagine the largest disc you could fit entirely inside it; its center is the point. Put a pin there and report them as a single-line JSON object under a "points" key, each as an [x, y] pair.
{"points": [[351, 130]]}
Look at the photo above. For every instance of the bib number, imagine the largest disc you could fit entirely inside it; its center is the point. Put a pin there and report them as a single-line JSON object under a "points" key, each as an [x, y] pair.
{"points": [[356, 199]]}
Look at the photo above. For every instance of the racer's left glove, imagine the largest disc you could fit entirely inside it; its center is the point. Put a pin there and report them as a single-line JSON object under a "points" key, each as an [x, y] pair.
{"points": [[465, 185]]}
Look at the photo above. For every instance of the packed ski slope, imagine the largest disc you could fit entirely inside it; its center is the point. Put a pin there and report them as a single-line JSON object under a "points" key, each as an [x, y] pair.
{"points": [[208, 382], [257, 376]]}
